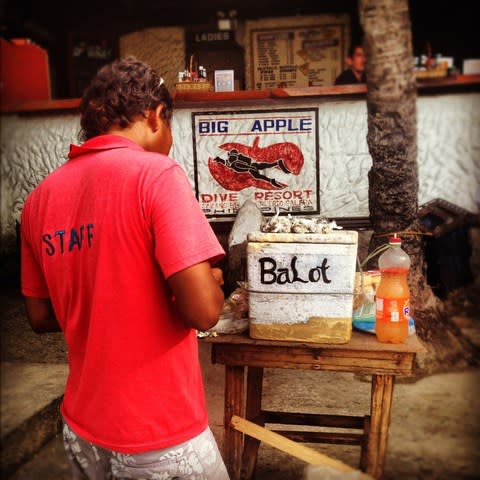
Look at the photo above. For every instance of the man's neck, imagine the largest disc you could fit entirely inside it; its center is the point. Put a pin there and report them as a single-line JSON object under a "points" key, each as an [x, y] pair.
{"points": [[358, 74]]}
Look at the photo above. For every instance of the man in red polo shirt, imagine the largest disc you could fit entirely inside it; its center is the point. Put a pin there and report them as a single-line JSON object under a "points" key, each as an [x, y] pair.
{"points": [[117, 253]]}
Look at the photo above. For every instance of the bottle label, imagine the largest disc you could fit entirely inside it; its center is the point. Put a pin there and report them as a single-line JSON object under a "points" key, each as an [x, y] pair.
{"points": [[392, 309]]}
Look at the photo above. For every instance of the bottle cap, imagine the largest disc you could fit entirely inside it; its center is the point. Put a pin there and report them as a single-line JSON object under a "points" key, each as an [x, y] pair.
{"points": [[395, 241]]}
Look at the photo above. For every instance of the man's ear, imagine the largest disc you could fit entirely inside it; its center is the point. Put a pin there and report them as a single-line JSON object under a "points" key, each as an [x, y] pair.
{"points": [[349, 61], [155, 117]]}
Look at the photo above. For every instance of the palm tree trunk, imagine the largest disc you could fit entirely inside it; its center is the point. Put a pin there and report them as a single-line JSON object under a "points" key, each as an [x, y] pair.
{"points": [[393, 178]]}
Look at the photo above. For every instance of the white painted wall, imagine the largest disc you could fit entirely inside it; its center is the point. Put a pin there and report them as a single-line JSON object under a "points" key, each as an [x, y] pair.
{"points": [[448, 153]]}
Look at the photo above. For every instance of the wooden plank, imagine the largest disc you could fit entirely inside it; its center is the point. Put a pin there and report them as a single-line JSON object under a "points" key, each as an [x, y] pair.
{"points": [[360, 341], [353, 367], [221, 96], [454, 80], [336, 438], [317, 353], [41, 105], [313, 419], [397, 364], [309, 351], [258, 359], [285, 445], [323, 91]]}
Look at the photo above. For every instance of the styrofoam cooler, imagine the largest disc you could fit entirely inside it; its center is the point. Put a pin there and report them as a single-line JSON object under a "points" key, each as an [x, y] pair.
{"points": [[301, 286]]}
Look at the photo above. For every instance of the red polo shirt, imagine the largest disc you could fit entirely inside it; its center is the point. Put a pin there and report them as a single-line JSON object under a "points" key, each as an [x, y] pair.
{"points": [[100, 235]]}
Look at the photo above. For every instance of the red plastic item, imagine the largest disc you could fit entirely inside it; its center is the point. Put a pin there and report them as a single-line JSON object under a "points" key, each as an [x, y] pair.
{"points": [[24, 72]]}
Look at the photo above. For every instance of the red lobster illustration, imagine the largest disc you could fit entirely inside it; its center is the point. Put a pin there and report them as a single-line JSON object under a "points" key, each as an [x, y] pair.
{"points": [[245, 166]]}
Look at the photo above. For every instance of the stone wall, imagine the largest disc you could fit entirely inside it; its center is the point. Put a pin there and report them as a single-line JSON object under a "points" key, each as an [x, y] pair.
{"points": [[31, 147], [448, 153]]}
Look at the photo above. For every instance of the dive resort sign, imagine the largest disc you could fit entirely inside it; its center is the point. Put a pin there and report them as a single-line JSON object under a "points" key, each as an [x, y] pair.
{"points": [[268, 156]]}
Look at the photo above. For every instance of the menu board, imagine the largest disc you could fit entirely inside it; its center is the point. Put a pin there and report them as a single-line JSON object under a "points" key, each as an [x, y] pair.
{"points": [[297, 56]]}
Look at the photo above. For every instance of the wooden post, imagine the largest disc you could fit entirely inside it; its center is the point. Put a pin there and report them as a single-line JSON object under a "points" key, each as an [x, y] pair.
{"points": [[380, 407], [252, 412], [234, 405]]}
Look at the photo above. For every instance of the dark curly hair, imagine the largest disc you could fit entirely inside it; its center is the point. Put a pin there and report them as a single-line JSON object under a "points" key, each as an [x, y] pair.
{"points": [[120, 92]]}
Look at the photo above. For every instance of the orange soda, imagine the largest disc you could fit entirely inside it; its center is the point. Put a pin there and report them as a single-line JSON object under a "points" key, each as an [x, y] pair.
{"points": [[392, 299]]}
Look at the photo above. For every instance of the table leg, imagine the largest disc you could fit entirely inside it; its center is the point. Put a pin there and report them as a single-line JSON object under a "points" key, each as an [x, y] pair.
{"points": [[364, 447], [380, 408], [252, 412], [234, 404]]}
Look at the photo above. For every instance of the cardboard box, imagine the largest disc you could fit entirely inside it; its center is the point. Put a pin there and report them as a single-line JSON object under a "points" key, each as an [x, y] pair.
{"points": [[301, 286]]}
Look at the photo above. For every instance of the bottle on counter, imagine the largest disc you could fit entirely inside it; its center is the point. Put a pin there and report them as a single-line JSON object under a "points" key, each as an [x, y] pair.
{"points": [[392, 304]]}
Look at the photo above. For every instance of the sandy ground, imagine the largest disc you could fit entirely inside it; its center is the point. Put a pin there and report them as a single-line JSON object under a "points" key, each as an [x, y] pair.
{"points": [[435, 426], [434, 432]]}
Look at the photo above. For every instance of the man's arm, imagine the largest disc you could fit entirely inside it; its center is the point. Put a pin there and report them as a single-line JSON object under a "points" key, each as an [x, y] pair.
{"points": [[41, 316], [198, 296]]}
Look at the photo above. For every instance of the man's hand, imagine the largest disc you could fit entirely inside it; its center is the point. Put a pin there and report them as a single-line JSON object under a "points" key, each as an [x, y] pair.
{"points": [[218, 275], [198, 295]]}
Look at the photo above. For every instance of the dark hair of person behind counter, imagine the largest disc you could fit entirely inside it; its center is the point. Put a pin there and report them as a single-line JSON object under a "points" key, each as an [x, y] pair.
{"points": [[353, 47]]}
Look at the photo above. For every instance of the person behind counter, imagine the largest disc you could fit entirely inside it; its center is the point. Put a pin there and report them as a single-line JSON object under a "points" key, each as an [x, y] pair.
{"points": [[117, 253], [355, 73]]}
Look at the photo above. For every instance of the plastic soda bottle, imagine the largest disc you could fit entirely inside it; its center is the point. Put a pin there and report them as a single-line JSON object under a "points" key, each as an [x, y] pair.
{"points": [[392, 304]]}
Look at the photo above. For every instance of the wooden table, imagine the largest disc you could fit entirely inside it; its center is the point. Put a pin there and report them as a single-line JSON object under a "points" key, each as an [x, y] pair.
{"points": [[245, 358]]}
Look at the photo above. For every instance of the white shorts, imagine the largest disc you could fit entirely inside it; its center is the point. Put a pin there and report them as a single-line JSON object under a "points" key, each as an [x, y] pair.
{"points": [[196, 459]]}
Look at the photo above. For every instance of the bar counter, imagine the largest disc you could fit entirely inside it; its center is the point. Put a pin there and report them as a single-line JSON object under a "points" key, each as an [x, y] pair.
{"points": [[454, 83], [36, 137]]}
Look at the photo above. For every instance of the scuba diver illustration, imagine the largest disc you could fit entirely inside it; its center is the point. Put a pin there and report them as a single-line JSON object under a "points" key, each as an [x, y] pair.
{"points": [[243, 164]]}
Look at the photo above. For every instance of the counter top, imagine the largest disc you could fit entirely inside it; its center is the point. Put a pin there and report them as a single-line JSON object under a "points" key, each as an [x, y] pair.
{"points": [[455, 83], [40, 105]]}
